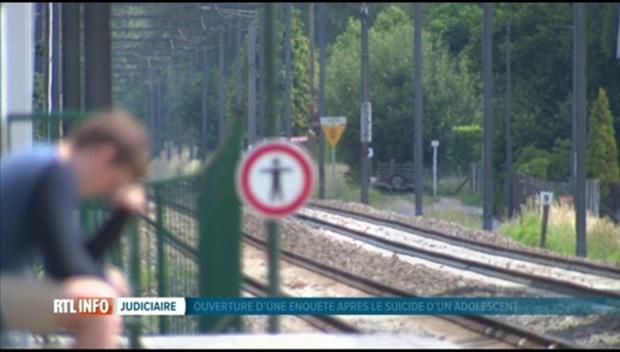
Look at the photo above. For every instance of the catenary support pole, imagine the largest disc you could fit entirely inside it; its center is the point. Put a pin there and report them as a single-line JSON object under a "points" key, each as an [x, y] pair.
{"points": [[365, 161], [418, 111], [580, 109], [487, 73], [322, 108]]}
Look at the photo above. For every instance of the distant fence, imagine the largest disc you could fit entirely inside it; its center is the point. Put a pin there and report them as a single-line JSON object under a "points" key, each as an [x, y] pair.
{"points": [[525, 186], [610, 202], [475, 178]]}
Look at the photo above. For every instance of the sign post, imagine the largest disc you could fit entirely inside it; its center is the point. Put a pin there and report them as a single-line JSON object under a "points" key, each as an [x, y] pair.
{"points": [[435, 144], [546, 198], [275, 179], [333, 128], [366, 138]]}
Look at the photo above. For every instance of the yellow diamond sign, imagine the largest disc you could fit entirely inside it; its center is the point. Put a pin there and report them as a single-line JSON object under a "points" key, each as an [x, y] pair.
{"points": [[333, 127]]}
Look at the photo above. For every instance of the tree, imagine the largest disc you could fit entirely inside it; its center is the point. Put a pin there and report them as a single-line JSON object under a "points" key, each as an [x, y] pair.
{"points": [[452, 23], [465, 146], [559, 160], [601, 150], [300, 87], [451, 94], [541, 37]]}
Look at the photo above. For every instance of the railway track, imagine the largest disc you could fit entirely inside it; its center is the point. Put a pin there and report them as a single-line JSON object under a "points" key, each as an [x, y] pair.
{"points": [[603, 270], [250, 285], [494, 330], [490, 328], [534, 280]]}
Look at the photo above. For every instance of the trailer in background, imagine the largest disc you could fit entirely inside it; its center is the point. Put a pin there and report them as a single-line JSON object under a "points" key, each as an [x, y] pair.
{"points": [[394, 176]]}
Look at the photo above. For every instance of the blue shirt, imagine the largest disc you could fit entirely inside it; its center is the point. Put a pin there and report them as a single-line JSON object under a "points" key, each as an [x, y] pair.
{"points": [[38, 203], [19, 175]]}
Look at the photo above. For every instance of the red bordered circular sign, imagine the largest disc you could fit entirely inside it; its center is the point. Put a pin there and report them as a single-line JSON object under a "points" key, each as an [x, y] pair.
{"points": [[275, 178]]}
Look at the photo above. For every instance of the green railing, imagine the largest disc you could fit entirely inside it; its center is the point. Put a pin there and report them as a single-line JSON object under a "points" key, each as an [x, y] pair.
{"points": [[170, 251], [158, 250], [170, 234]]}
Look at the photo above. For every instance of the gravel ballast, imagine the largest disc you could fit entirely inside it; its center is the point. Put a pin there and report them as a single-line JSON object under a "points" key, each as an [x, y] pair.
{"points": [[420, 279]]}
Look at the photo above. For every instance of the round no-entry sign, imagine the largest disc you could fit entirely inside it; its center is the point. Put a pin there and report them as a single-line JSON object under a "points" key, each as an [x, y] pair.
{"points": [[275, 178]]}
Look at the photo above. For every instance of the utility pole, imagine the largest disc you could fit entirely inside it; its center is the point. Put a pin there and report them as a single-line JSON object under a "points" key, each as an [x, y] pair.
{"points": [[238, 322], [205, 100], [260, 123], [147, 110], [55, 62], [159, 113], [146, 101], [364, 89], [39, 33], [580, 119], [177, 138], [418, 111], [252, 83], [573, 145], [157, 105], [167, 127], [618, 34], [150, 92], [435, 145], [238, 41], [487, 73], [221, 93], [97, 44], [287, 64], [268, 57], [322, 110], [45, 55], [311, 38], [508, 126], [71, 64]]}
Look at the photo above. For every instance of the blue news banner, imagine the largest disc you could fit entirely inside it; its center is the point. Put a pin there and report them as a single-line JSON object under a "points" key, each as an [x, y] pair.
{"points": [[401, 306]]}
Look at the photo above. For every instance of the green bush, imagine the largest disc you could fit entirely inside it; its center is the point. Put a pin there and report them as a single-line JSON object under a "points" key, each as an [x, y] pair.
{"points": [[540, 163], [533, 161], [524, 230]]}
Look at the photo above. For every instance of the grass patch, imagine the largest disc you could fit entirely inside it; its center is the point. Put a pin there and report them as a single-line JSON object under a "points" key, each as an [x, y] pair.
{"points": [[602, 235], [472, 199]]}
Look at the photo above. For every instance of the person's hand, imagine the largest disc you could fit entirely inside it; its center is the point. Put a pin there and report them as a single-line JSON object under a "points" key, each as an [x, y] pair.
{"points": [[131, 198], [117, 280]]}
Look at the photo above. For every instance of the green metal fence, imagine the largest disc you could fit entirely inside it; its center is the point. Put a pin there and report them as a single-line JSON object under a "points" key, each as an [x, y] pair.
{"points": [[160, 249], [170, 233]]}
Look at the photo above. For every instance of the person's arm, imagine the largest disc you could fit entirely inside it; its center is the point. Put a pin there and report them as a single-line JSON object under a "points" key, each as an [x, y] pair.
{"points": [[108, 234], [127, 200], [57, 228]]}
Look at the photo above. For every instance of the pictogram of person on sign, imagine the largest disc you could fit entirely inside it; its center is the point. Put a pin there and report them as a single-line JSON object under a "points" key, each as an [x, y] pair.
{"points": [[276, 185]]}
